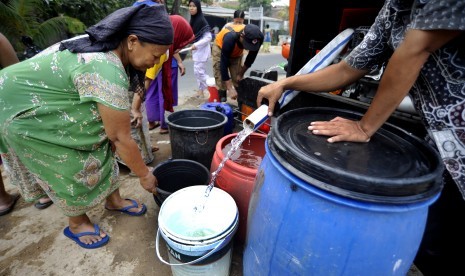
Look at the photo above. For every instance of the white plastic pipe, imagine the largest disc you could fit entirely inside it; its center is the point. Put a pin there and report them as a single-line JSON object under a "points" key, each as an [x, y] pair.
{"points": [[185, 50], [257, 118]]}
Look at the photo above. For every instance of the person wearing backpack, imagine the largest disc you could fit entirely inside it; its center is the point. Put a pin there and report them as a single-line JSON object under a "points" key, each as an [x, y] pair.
{"points": [[227, 52]]}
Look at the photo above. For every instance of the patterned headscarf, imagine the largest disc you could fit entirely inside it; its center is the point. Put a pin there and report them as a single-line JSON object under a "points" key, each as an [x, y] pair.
{"points": [[150, 23]]}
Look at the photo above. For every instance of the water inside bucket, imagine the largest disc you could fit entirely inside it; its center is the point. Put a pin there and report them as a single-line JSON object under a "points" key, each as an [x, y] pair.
{"points": [[198, 243], [181, 221], [249, 158]]}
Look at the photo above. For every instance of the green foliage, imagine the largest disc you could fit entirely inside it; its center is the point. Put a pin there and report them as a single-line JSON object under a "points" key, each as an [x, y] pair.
{"points": [[231, 5], [87, 11], [57, 29], [204, 2], [246, 4], [18, 17], [266, 4], [33, 18], [49, 21], [283, 14], [185, 3]]}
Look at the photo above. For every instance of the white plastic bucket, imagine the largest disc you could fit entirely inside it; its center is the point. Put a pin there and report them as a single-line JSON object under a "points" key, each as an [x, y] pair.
{"points": [[203, 238]]}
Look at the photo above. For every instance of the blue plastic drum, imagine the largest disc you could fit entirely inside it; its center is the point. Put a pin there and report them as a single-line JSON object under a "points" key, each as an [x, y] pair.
{"points": [[341, 208]]}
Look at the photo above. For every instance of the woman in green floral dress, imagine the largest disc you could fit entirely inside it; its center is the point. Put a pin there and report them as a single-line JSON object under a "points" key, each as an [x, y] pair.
{"points": [[64, 111]]}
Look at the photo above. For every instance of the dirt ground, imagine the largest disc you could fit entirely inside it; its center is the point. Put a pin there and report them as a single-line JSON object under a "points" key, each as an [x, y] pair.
{"points": [[32, 243], [32, 240]]}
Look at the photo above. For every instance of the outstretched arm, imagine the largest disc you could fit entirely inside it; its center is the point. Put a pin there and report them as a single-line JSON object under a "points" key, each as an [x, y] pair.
{"points": [[328, 79], [117, 127], [401, 73]]}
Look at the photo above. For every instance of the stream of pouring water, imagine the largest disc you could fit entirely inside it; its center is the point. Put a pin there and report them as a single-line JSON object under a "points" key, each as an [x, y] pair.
{"points": [[236, 142]]}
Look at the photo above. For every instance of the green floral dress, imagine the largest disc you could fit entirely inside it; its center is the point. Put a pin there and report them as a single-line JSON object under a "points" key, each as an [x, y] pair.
{"points": [[52, 137]]}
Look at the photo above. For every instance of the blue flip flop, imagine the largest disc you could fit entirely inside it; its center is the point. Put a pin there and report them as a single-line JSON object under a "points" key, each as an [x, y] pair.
{"points": [[126, 209], [75, 237]]}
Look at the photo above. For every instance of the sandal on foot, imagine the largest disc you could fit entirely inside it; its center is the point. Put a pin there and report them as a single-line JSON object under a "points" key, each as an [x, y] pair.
{"points": [[43, 205], [154, 149], [126, 209], [75, 237], [11, 206], [153, 125], [164, 131]]}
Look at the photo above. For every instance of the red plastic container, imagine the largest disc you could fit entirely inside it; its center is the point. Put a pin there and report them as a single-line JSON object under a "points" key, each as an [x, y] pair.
{"points": [[214, 96], [238, 179]]}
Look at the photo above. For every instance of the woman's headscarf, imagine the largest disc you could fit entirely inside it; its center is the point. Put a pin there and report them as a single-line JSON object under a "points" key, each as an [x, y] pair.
{"points": [[150, 23], [198, 22], [183, 35]]}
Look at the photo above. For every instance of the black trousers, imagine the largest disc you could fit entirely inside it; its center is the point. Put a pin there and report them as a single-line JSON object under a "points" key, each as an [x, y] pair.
{"points": [[442, 250]]}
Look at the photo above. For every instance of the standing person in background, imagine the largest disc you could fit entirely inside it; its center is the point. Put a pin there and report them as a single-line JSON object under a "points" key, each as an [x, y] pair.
{"points": [[161, 85], [423, 43], [151, 100], [238, 19], [139, 124], [227, 56], [214, 32], [201, 49], [154, 96], [267, 40], [176, 63], [8, 57], [62, 124]]}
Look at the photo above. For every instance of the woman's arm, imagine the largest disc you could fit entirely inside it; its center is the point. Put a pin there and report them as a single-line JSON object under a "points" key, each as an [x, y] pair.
{"points": [[182, 68], [401, 73], [327, 79], [136, 110], [203, 41], [7, 53], [147, 83], [117, 128]]}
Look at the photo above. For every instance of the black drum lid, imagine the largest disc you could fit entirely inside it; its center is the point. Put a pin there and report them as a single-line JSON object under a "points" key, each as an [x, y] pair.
{"points": [[394, 167]]}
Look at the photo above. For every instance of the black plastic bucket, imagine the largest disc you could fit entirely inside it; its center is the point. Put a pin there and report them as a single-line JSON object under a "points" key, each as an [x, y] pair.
{"points": [[194, 134], [176, 174]]}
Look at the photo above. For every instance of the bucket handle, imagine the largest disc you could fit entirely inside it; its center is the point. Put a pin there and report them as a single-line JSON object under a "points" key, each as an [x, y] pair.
{"points": [[157, 245], [197, 138]]}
